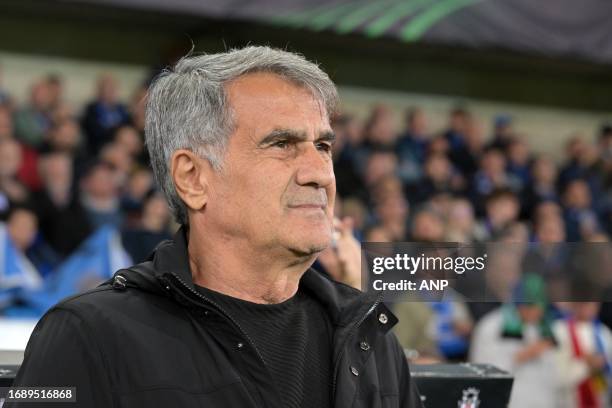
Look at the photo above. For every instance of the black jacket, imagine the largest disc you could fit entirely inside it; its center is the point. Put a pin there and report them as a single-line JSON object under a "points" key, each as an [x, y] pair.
{"points": [[147, 338]]}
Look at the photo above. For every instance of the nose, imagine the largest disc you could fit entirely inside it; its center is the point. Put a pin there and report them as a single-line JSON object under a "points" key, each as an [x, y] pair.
{"points": [[314, 167]]}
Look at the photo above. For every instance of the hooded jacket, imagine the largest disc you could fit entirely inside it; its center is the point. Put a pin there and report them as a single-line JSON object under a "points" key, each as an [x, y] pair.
{"points": [[148, 338]]}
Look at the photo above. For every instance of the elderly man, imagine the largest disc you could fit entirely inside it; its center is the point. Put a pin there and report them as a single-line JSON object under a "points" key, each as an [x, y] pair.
{"points": [[229, 313]]}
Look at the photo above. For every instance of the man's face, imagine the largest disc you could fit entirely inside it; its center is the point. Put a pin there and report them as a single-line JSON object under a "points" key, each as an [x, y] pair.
{"points": [[276, 187]]}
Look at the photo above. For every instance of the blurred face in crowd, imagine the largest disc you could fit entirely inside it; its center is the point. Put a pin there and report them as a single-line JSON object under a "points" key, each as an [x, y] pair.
{"points": [[381, 128], [128, 138], [56, 89], [427, 226], [107, 89], [473, 135], [502, 210], [22, 228], [547, 209], [393, 210], [544, 170], [438, 168], [101, 183], [137, 108], [574, 147], [585, 311], [417, 122], [354, 209], [10, 157], [461, 215], [516, 233], [386, 187], [378, 234], [518, 152], [155, 213], [139, 184], [589, 155], [459, 121], [550, 230], [118, 158], [6, 123], [493, 163], [276, 188], [577, 195], [530, 313], [40, 96], [380, 165], [56, 171], [66, 136], [438, 145]]}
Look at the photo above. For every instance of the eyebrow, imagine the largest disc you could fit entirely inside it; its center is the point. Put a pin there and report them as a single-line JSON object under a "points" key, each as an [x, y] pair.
{"points": [[293, 136]]}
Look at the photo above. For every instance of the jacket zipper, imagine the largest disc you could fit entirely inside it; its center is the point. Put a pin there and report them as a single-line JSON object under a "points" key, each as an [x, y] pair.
{"points": [[224, 313], [248, 338], [348, 337]]}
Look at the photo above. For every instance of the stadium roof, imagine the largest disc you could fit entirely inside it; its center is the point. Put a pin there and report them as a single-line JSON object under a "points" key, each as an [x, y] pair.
{"points": [[555, 28]]}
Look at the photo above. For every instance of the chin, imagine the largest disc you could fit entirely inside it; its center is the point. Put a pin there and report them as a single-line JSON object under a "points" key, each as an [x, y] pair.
{"points": [[310, 243]]}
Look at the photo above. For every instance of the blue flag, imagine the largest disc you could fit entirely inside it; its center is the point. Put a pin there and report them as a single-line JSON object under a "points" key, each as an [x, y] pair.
{"points": [[17, 273], [92, 263]]}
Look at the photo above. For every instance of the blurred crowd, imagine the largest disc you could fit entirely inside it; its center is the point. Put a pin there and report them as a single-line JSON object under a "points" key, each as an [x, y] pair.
{"points": [[463, 184], [66, 171]]}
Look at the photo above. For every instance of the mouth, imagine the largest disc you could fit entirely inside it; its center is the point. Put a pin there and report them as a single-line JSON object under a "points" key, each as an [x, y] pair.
{"points": [[307, 207]]}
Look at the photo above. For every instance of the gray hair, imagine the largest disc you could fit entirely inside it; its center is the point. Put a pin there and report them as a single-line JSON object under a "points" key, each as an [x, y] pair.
{"points": [[187, 106]]}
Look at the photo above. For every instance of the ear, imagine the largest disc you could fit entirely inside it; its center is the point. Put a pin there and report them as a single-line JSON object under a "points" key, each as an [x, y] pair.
{"points": [[190, 175]]}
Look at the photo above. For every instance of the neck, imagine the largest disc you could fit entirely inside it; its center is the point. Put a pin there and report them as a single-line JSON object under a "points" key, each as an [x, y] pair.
{"points": [[234, 267]]}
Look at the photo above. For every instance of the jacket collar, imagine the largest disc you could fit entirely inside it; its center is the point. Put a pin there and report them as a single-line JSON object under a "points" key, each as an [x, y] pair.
{"points": [[342, 302]]}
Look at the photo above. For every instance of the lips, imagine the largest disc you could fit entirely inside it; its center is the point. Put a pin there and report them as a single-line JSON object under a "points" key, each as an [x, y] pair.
{"points": [[308, 206]]}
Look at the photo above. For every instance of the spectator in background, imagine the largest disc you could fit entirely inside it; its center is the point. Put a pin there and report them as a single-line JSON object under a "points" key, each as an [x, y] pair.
{"points": [[380, 164], [439, 177], [412, 145], [503, 132], [140, 241], [139, 185], [427, 226], [13, 190], [466, 157], [27, 172], [33, 122], [137, 110], [501, 208], [582, 162], [119, 160], [380, 129], [104, 114], [348, 155], [461, 223], [518, 161], [55, 87], [22, 227], [131, 142], [588, 343], [518, 338], [392, 215], [543, 185], [580, 219], [6, 122], [5, 98], [63, 221], [458, 124], [491, 176], [100, 196], [358, 213]]}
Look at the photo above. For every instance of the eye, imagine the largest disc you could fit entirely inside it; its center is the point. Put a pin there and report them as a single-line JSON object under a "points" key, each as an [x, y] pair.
{"points": [[325, 147], [282, 144]]}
